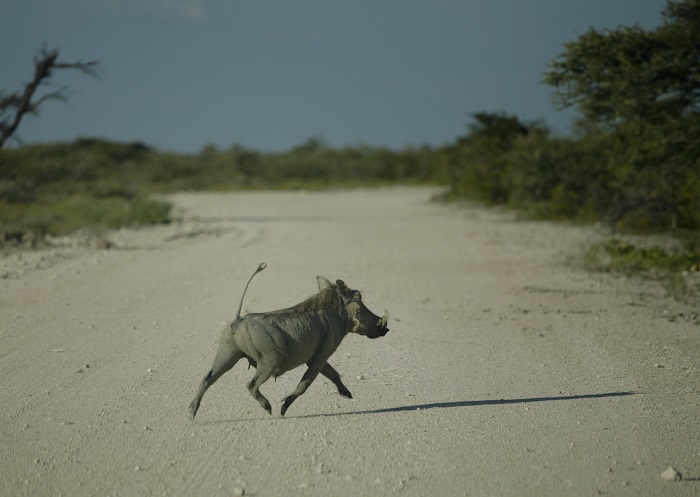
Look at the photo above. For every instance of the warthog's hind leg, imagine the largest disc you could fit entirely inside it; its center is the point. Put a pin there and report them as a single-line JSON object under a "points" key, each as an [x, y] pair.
{"points": [[329, 372], [262, 374], [226, 357]]}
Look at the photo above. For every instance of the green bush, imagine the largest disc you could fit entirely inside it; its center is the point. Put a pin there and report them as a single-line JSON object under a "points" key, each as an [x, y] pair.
{"points": [[147, 211], [620, 256]]}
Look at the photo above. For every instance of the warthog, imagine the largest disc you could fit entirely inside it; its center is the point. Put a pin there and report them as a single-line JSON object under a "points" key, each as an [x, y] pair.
{"points": [[279, 341]]}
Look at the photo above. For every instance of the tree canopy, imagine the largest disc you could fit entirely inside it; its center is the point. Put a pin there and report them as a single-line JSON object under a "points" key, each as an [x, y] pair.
{"points": [[643, 89], [614, 76]]}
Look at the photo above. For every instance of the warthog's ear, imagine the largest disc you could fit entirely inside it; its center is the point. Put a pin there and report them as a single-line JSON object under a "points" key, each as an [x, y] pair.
{"points": [[323, 283], [342, 287]]}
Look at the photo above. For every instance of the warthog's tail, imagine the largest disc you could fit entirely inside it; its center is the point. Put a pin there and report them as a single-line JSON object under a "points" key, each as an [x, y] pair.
{"points": [[240, 306]]}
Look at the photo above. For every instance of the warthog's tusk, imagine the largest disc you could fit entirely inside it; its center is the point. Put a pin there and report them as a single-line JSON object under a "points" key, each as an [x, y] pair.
{"points": [[384, 320]]}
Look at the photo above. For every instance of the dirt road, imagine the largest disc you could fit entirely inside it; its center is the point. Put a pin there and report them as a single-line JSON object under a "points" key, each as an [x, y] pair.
{"points": [[508, 370]]}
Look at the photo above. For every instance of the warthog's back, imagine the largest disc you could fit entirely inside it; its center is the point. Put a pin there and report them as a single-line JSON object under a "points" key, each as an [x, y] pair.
{"points": [[292, 336]]}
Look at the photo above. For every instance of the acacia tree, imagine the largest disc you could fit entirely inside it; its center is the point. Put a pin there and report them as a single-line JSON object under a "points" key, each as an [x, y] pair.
{"points": [[14, 106], [614, 76], [643, 87]]}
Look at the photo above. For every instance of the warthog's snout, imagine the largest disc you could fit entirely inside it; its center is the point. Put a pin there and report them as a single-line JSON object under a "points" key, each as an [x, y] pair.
{"points": [[382, 328], [364, 321]]}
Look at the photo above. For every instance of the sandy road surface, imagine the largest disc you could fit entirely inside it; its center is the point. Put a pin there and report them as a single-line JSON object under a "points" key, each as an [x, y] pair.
{"points": [[509, 370]]}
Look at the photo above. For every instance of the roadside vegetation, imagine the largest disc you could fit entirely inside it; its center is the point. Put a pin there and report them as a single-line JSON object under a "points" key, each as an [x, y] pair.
{"points": [[59, 187], [632, 164], [677, 268]]}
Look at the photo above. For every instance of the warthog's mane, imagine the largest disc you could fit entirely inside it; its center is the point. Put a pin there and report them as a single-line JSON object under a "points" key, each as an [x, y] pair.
{"points": [[325, 300]]}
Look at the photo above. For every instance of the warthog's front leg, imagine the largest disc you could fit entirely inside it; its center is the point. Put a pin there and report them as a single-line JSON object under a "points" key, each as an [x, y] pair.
{"points": [[306, 380], [329, 372]]}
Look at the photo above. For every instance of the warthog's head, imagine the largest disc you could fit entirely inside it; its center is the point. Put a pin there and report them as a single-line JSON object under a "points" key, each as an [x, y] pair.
{"points": [[361, 320]]}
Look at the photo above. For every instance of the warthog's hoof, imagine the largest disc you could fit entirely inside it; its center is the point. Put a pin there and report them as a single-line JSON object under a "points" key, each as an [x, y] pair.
{"points": [[193, 410], [285, 405]]}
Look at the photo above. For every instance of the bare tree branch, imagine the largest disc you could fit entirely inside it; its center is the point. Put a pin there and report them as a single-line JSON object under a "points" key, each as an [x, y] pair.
{"points": [[60, 95], [14, 106]]}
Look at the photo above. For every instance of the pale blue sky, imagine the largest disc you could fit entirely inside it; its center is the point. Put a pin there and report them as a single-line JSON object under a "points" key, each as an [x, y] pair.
{"points": [[269, 74]]}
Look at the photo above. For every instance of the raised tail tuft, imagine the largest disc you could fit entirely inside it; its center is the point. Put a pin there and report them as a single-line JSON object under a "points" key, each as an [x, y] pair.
{"points": [[261, 266]]}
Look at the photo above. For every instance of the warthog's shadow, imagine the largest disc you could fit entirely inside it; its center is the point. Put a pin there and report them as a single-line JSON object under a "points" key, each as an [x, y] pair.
{"points": [[476, 403], [445, 405]]}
